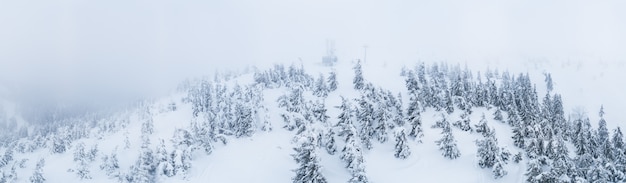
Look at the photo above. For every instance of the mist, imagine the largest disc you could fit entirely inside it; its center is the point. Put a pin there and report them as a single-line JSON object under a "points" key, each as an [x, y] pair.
{"points": [[117, 48]]}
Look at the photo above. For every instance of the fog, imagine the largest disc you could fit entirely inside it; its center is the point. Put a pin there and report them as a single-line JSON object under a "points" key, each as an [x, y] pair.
{"points": [[141, 47]]}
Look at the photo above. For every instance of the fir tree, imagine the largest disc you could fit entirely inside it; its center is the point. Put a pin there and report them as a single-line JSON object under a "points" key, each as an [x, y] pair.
{"points": [[80, 156], [330, 145], [414, 119], [321, 90], [603, 136], [398, 116], [244, 120], [332, 81], [448, 103], [533, 171], [402, 149], [549, 84], [597, 173], [518, 157], [442, 122], [309, 169], [618, 139], [482, 127], [358, 177], [358, 77], [488, 152], [37, 176], [144, 170], [364, 116], [110, 165], [447, 144], [412, 84], [164, 166], [352, 155], [345, 117], [498, 115], [147, 127], [7, 157], [464, 122], [518, 137], [380, 131], [181, 160], [498, 171]]}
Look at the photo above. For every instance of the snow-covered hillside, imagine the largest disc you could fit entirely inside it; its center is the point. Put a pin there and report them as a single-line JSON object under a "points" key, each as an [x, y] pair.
{"points": [[352, 122]]}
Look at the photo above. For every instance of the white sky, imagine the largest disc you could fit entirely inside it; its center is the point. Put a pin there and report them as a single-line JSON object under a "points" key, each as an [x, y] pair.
{"points": [[143, 45]]}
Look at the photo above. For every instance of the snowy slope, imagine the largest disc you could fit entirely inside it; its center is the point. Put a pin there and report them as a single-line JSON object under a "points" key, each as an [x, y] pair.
{"points": [[266, 156]]}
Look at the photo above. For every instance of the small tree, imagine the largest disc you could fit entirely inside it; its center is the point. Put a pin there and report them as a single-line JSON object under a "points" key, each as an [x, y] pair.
{"points": [[498, 115], [321, 90], [37, 176], [414, 119], [498, 170], [447, 144], [402, 149], [110, 165], [309, 169], [482, 127], [330, 145], [464, 122], [358, 81], [81, 157], [332, 81]]}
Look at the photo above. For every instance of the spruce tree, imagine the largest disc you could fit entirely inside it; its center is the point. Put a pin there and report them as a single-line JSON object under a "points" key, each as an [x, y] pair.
{"points": [[380, 119], [332, 81], [352, 155], [498, 115], [534, 171], [414, 119], [482, 127], [603, 137], [447, 143], [358, 82], [321, 90], [80, 156], [488, 152], [110, 165], [309, 169], [518, 137], [402, 149], [498, 171], [464, 122], [37, 176], [330, 145], [364, 114]]}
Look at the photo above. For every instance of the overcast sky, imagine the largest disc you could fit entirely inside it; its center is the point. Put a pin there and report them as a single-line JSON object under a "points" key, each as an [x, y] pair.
{"points": [[135, 44]]}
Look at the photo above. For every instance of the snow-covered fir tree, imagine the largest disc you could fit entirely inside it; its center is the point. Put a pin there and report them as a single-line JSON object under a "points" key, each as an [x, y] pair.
{"points": [[321, 88], [37, 176], [482, 127], [464, 122], [332, 81], [82, 160], [110, 165], [309, 168], [402, 148], [358, 80], [447, 143]]}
